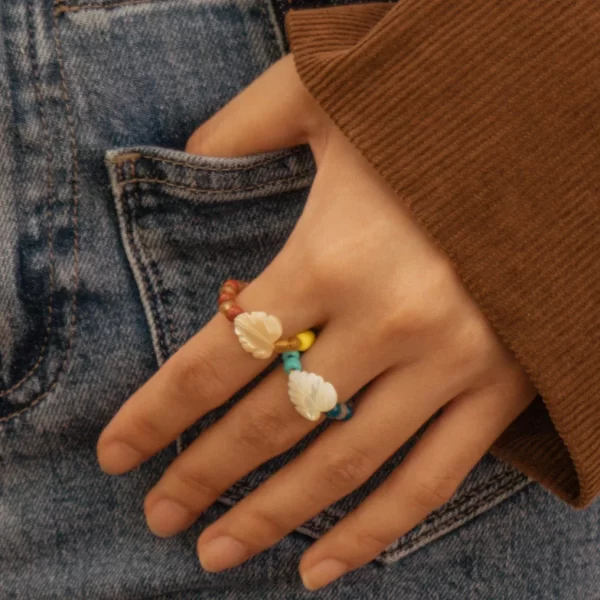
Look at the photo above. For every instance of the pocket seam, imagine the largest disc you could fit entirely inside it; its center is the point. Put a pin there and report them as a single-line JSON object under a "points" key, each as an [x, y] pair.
{"points": [[138, 249], [266, 161], [213, 191], [60, 7], [161, 296]]}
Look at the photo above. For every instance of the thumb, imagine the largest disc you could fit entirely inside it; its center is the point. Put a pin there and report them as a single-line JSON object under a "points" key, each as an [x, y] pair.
{"points": [[274, 112]]}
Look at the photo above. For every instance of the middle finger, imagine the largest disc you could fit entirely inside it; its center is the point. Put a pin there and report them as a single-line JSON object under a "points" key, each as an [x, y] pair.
{"points": [[261, 426]]}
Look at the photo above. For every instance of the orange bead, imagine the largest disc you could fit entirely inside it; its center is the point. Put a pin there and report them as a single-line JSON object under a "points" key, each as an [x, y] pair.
{"points": [[234, 284], [289, 345], [225, 296], [225, 306], [233, 312]]}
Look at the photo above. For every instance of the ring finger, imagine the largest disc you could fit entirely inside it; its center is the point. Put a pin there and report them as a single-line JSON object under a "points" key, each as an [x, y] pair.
{"points": [[337, 463]]}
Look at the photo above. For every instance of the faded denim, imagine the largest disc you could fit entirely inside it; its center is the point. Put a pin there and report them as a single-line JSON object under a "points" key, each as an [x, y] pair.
{"points": [[113, 244]]}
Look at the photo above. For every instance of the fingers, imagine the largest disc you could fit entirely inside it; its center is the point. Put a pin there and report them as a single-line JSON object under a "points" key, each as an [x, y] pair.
{"points": [[426, 480], [261, 426], [199, 377], [338, 462], [268, 115]]}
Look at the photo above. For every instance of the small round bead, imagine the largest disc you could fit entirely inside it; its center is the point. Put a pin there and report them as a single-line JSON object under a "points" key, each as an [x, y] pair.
{"points": [[234, 284], [225, 296], [290, 366], [289, 345], [291, 362], [233, 312], [340, 412], [347, 413], [335, 412], [225, 306], [307, 339]]}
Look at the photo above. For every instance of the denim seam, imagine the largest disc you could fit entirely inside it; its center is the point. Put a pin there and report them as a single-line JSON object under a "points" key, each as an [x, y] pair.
{"points": [[147, 288], [275, 34], [475, 503], [267, 161], [75, 221], [151, 266], [60, 7], [40, 99], [213, 191]]}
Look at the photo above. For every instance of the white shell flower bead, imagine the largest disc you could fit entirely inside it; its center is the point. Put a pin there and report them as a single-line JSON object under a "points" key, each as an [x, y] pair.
{"points": [[311, 394], [258, 332]]}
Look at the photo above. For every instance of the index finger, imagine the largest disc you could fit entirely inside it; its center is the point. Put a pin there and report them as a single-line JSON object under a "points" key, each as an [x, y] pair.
{"points": [[208, 370]]}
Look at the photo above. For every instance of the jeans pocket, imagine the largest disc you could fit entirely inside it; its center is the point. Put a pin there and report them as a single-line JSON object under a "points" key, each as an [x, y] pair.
{"points": [[190, 222]]}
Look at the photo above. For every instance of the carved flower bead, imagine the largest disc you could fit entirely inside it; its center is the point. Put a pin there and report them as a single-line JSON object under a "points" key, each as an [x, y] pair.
{"points": [[258, 332], [310, 394]]}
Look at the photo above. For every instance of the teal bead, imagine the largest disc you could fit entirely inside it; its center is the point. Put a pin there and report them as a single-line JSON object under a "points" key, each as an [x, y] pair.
{"points": [[340, 412], [335, 412], [291, 361]]}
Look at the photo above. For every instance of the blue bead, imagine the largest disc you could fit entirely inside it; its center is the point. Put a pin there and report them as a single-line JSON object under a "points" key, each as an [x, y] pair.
{"points": [[291, 361]]}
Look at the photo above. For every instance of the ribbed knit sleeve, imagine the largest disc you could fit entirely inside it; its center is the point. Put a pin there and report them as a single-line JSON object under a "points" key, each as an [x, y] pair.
{"points": [[484, 116]]}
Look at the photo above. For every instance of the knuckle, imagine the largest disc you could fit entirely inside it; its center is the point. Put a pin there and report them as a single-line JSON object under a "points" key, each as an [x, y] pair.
{"points": [[370, 542], [327, 266], [192, 488], [145, 432], [265, 528], [191, 375], [432, 493], [346, 469], [474, 348], [426, 308], [471, 342], [263, 429]]}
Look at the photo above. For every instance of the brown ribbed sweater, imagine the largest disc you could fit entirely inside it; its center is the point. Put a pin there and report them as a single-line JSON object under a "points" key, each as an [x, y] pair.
{"points": [[484, 116]]}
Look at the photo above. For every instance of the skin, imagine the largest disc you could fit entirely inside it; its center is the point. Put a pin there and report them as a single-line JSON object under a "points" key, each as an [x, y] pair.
{"points": [[393, 312]]}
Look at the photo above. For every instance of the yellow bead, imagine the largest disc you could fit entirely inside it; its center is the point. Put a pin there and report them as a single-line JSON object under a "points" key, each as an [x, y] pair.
{"points": [[307, 339]]}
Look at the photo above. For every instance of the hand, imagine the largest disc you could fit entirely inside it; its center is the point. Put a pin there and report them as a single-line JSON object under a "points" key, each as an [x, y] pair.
{"points": [[392, 312]]}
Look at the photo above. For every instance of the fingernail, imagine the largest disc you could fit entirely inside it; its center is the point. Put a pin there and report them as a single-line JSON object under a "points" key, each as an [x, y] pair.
{"points": [[167, 517], [323, 573], [222, 553], [119, 457]]}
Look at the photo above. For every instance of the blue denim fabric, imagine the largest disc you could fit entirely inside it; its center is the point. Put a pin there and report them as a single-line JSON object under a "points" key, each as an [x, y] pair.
{"points": [[113, 246]]}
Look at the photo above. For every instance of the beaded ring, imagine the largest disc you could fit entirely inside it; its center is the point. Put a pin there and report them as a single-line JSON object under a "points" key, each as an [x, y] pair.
{"points": [[260, 334]]}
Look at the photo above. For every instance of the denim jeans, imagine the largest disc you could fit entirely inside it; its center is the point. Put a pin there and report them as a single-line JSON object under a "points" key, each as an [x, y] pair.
{"points": [[113, 243]]}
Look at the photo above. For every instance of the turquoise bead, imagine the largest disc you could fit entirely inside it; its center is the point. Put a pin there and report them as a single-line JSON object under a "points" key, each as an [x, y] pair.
{"points": [[291, 361]]}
